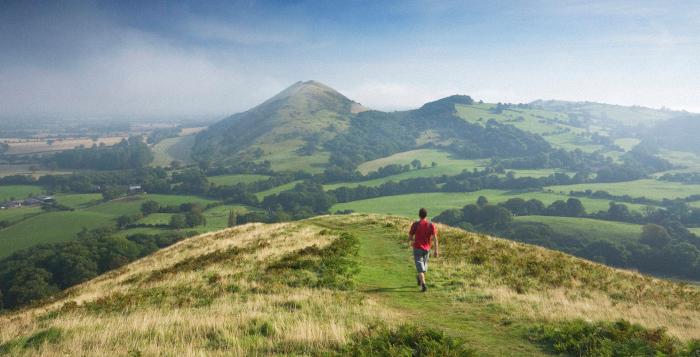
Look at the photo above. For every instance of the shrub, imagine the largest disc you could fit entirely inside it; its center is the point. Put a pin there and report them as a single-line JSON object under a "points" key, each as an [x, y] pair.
{"points": [[406, 341], [619, 338]]}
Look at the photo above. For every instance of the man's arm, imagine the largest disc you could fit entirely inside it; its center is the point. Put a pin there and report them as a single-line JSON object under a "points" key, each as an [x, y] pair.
{"points": [[437, 245], [411, 237]]}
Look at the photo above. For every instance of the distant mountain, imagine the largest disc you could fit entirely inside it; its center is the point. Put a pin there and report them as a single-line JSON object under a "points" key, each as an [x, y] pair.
{"points": [[298, 119], [309, 126]]}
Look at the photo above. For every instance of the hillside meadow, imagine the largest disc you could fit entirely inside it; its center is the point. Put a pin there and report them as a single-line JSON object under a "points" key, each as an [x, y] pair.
{"points": [[262, 289], [436, 202], [588, 229], [649, 188]]}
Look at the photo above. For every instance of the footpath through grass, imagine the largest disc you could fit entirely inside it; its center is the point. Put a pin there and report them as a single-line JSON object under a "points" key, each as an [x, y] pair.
{"points": [[387, 274]]}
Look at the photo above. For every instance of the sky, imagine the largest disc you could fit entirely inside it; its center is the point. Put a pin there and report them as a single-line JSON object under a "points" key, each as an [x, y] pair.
{"points": [[160, 59]]}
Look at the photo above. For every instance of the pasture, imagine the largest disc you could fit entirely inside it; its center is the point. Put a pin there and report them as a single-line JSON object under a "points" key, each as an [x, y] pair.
{"points": [[278, 189], [40, 145], [228, 180], [17, 214], [588, 229], [18, 192], [27, 169], [447, 165], [436, 202], [649, 188], [79, 200], [173, 149], [50, 227]]}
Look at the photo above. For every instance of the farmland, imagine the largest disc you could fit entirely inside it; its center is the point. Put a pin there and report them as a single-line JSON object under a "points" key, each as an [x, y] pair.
{"points": [[173, 149], [18, 192], [588, 229], [407, 205], [33, 146], [236, 179], [649, 188]]}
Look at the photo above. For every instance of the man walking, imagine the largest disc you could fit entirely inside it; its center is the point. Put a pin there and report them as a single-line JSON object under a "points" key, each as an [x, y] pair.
{"points": [[423, 233]]}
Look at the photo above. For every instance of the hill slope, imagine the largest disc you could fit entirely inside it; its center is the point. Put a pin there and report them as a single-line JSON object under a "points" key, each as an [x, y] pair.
{"points": [[293, 122], [311, 286]]}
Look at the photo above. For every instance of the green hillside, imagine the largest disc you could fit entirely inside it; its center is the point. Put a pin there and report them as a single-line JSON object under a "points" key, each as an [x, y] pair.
{"points": [[288, 128], [334, 284], [405, 205]]}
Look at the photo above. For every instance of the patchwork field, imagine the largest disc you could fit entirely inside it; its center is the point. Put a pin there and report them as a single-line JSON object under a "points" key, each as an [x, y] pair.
{"points": [[553, 126], [407, 205], [447, 165], [588, 229], [649, 188], [18, 192], [31, 146], [49, 227], [26, 169], [224, 180], [275, 190]]}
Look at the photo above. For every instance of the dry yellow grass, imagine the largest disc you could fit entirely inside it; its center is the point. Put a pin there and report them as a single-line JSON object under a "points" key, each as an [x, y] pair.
{"points": [[216, 294], [29, 146], [616, 293], [250, 321]]}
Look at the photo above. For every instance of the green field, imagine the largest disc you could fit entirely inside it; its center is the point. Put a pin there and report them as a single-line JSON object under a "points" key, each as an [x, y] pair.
{"points": [[156, 219], [13, 215], [173, 149], [696, 231], [217, 217], [649, 188], [78, 200], [228, 180], [588, 229], [447, 165], [18, 192], [91, 212], [627, 143], [552, 126], [49, 227], [407, 205], [283, 156], [278, 189]]}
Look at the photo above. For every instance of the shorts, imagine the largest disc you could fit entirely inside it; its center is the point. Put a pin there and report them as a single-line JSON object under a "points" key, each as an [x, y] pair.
{"points": [[420, 256]]}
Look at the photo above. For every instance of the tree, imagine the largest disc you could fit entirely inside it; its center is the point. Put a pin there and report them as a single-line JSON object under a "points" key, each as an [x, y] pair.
{"points": [[482, 201], [149, 207], [111, 192], [574, 208], [416, 164], [495, 217], [178, 221], [654, 236], [618, 212], [433, 164], [195, 218], [451, 217], [232, 219]]}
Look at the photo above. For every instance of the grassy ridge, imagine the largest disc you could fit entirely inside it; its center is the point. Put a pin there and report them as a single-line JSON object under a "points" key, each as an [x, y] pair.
{"points": [[214, 294]]}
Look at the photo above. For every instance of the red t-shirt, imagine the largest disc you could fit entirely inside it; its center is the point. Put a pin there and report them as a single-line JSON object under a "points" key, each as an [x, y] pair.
{"points": [[423, 231]]}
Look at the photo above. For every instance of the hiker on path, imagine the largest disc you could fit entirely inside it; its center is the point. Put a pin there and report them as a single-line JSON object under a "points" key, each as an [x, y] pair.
{"points": [[423, 233]]}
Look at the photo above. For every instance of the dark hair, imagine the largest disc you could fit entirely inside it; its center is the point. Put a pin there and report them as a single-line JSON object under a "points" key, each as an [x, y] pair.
{"points": [[422, 213]]}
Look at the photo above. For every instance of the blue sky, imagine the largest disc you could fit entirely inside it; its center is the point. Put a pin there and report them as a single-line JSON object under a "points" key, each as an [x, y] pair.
{"points": [[198, 59]]}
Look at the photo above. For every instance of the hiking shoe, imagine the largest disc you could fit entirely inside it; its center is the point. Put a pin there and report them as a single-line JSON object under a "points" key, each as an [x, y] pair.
{"points": [[423, 288]]}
